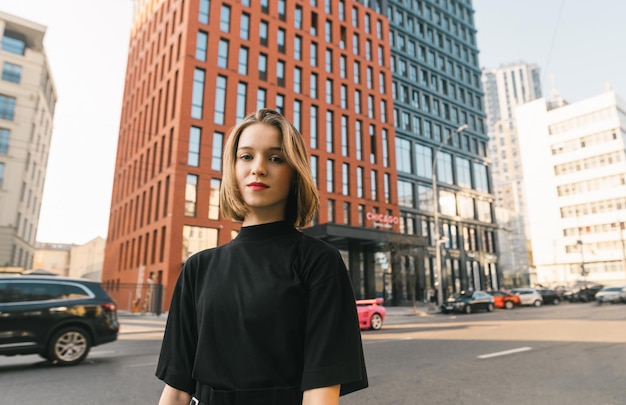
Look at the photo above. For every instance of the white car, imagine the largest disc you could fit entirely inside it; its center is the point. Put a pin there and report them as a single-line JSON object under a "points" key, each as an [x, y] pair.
{"points": [[529, 296], [611, 294]]}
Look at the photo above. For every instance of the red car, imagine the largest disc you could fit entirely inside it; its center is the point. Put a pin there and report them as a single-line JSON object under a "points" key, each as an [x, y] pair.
{"points": [[371, 313], [503, 299]]}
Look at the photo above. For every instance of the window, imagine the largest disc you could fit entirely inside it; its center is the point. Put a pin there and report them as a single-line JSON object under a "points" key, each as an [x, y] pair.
{"points": [[403, 155], [345, 179], [262, 66], [405, 194], [11, 72], [244, 29], [358, 141], [330, 173], [263, 32], [243, 61], [280, 73], [297, 48], [261, 95], [220, 100], [344, 136], [329, 60], [297, 80], [463, 173], [329, 91], [423, 159], [298, 18], [203, 15], [297, 115], [444, 167], [313, 127], [241, 101], [374, 182], [329, 131], [225, 19], [313, 86], [281, 40], [359, 182], [216, 152], [314, 169], [480, 177], [214, 199], [222, 55], [313, 54], [197, 95], [191, 192], [5, 135], [193, 154]]}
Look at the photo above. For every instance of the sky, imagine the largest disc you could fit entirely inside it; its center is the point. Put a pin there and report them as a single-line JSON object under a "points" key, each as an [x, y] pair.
{"points": [[578, 42]]}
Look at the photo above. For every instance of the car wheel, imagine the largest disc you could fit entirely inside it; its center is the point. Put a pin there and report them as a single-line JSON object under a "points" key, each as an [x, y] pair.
{"points": [[468, 309], [556, 301], [376, 322], [490, 308], [69, 346], [537, 303], [509, 305]]}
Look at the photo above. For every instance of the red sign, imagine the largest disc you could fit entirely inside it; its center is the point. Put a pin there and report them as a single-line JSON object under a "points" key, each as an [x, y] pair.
{"points": [[382, 220]]}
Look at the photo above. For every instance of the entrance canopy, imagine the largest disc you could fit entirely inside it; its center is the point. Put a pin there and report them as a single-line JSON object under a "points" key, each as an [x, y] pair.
{"points": [[344, 236]]}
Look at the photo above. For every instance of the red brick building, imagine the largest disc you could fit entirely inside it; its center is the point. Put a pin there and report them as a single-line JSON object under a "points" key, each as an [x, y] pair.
{"points": [[196, 68]]}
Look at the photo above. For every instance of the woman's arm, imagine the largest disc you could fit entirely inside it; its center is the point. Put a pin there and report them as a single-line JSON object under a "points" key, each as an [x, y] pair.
{"points": [[322, 396], [172, 396]]}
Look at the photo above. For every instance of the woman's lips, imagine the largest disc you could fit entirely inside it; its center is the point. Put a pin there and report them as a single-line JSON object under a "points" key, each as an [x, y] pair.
{"points": [[258, 186]]}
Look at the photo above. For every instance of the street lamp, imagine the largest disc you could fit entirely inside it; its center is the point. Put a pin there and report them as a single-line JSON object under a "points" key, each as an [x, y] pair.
{"points": [[438, 239]]}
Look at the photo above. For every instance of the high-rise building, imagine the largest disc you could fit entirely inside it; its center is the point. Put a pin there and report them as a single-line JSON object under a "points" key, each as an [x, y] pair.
{"points": [[505, 88], [197, 67], [27, 102], [575, 185]]}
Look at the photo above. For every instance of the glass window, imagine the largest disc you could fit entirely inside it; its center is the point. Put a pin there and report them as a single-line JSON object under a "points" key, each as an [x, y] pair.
{"points": [[193, 154], [480, 177], [263, 28], [297, 47], [225, 19], [329, 131], [11, 72], [220, 100], [297, 115], [197, 95], [262, 66], [403, 155], [360, 193], [242, 90], [405, 194], [344, 136], [358, 141], [191, 192], [214, 199], [345, 179], [216, 152], [463, 173], [5, 135], [330, 173], [313, 54], [444, 167], [222, 55], [423, 159], [373, 184], [313, 86], [261, 95], [313, 127], [280, 37], [244, 29], [203, 15], [280, 73], [243, 61]]}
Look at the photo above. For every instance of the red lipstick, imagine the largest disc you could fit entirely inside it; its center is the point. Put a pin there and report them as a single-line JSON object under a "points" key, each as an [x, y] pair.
{"points": [[257, 186]]}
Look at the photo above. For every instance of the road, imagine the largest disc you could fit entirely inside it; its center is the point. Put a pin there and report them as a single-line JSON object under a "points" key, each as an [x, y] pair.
{"points": [[571, 353]]}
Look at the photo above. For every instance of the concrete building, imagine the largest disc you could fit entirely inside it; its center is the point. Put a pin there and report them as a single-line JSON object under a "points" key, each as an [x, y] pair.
{"points": [[86, 259], [52, 257], [574, 168], [506, 88], [27, 103], [197, 67]]}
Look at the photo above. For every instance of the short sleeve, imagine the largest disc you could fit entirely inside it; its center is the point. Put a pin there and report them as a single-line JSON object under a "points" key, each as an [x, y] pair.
{"points": [[333, 352], [178, 348]]}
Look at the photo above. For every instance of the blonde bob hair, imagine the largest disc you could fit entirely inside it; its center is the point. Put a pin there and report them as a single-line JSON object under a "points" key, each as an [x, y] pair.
{"points": [[303, 199]]}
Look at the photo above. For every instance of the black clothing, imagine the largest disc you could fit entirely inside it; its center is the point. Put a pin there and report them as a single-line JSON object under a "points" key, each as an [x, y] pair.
{"points": [[271, 310]]}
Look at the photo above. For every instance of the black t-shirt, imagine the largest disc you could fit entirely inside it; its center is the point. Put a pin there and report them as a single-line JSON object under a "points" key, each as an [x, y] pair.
{"points": [[273, 308]]}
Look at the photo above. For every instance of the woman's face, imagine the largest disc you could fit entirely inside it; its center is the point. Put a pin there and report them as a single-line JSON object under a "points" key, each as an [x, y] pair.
{"points": [[263, 175]]}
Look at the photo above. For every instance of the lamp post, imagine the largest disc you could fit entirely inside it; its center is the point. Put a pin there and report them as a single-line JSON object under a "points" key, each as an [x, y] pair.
{"points": [[438, 239]]}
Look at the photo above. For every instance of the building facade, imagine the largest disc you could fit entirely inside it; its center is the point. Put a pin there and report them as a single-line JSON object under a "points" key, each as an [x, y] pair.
{"points": [[196, 68], [27, 103], [575, 185], [505, 88]]}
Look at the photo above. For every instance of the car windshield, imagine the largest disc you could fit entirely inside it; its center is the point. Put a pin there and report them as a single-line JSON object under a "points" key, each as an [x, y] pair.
{"points": [[463, 295], [612, 289]]}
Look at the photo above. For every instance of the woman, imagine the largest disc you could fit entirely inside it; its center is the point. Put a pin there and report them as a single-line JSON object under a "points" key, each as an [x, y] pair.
{"points": [[270, 317]]}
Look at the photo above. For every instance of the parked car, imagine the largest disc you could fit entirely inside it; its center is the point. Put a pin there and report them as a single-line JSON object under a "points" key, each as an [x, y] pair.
{"points": [[58, 318], [549, 296], [529, 296], [371, 313], [503, 299], [611, 295], [468, 302], [583, 294]]}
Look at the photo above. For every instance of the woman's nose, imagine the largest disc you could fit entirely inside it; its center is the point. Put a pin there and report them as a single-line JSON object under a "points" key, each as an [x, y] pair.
{"points": [[258, 168]]}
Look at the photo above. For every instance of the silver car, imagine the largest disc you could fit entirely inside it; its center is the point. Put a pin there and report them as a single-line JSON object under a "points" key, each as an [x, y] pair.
{"points": [[611, 295], [528, 296]]}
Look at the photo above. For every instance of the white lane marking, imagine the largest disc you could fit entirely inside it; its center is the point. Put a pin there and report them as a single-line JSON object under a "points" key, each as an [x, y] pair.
{"points": [[504, 353]]}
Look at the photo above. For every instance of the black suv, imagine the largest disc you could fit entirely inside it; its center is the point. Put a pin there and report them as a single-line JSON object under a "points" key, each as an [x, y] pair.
{"points": [[58, 318]]}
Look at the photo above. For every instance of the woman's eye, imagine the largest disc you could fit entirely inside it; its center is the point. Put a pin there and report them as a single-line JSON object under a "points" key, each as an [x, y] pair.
{"points": [[276, 159], [245, 157]]}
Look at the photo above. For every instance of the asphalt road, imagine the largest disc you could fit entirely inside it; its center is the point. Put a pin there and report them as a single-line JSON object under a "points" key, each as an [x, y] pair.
{"points": [[566, 354]]}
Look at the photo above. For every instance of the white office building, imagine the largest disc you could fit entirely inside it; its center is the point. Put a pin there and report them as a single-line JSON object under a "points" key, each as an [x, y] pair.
{"points": [[505, 88], [27, 103], [574, 169]]}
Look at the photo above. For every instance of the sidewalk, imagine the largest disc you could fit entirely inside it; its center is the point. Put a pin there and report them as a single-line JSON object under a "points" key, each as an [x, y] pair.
{"points": [[143, 323]]}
